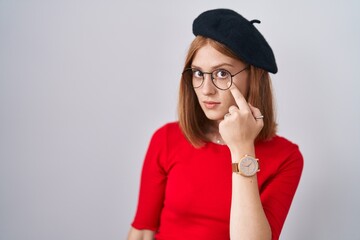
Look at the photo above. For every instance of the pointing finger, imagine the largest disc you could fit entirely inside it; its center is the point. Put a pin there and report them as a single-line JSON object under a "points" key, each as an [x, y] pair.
{"points": [[239, 98]]}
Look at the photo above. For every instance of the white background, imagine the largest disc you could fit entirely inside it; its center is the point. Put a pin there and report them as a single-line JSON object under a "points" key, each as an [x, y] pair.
{"points": [[83, 85]]}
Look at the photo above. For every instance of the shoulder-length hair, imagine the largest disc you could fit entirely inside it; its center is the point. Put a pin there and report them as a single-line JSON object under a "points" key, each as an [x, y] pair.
{"points": [[192, 119]]}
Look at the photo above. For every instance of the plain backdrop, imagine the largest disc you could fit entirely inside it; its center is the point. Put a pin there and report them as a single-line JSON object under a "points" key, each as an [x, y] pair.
{"points": [[84, 84]]}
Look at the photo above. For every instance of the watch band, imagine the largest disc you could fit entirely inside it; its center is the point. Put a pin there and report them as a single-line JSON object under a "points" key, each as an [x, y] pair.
{"points": [[235, 167]]}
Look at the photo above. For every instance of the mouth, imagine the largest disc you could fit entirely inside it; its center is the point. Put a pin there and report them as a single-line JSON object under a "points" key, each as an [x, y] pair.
{"points": [[211, 104]]}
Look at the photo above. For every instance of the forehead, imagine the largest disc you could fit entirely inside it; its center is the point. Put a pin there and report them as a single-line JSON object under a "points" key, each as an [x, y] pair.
{"points": [[208, 57]]}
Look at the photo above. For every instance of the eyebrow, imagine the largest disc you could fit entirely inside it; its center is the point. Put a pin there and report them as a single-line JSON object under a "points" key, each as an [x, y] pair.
{"points": [[216, 66]]}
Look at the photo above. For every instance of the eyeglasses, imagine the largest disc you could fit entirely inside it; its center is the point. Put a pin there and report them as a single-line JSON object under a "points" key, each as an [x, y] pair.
{"points": [[219, 77]]}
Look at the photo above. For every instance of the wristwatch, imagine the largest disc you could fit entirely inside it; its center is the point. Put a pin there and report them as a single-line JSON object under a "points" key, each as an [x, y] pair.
{"points": [[247, 166]]}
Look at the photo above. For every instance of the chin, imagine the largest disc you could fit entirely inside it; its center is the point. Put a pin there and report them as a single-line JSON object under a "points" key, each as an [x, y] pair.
{"points": [[214, 116]]}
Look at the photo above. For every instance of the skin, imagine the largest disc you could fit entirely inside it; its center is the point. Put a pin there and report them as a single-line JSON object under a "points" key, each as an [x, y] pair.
{"points": [[238, 131], [135, 234], [208, 59]]}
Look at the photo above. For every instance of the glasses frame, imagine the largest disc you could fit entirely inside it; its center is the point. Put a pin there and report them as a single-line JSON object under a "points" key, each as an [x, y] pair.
{"points": [[212, 77]]}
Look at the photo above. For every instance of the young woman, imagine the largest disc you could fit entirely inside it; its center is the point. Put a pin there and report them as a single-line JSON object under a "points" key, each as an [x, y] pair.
{"points": [[220, 172]]}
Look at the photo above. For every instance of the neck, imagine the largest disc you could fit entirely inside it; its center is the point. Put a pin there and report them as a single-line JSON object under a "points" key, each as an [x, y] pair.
{"points": [[214, 135]]}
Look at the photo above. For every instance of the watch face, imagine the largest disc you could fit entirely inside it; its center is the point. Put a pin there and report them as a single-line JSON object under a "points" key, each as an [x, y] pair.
{"points": [[248, 166]]}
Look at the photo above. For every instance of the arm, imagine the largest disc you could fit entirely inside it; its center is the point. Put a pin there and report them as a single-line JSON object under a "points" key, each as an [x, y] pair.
{"points": [[135, 234], [239, 130], [152, 190], [277, 194], [247, 216]]}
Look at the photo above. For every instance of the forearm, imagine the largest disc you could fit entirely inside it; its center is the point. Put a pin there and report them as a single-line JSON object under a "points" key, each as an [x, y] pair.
{"points": [[135, 234], [247, 218]]}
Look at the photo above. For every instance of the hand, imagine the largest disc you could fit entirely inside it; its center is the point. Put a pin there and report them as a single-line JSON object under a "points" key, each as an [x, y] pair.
{"points": [[239, 127]]}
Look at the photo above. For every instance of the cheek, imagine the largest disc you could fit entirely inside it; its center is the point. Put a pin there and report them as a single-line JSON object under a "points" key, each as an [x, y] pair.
{"points": [[243, 86], [197, 93], [227, 99]]}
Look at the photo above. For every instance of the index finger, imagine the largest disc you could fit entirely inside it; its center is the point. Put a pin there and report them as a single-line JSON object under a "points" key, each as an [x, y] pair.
{"points": [[239, 98]]}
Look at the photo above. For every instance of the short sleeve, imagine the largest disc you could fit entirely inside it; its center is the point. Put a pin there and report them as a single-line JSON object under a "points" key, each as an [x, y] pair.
{"points": [[277, 194], [152, 184]]}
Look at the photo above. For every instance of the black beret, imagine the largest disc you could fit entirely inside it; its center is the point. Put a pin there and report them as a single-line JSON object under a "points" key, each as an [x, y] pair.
{"points": [[238, 34]]}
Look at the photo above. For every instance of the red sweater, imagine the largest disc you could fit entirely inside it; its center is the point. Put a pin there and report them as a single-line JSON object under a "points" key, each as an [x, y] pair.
{"points": [[185, 192]]}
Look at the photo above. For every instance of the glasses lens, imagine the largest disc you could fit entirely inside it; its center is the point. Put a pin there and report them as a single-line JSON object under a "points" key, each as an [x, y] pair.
{"points": [[221, 78], [197, 77]]}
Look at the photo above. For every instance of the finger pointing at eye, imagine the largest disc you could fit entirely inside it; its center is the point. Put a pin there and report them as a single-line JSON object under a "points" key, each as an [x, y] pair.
{"points": [[239, 98]]}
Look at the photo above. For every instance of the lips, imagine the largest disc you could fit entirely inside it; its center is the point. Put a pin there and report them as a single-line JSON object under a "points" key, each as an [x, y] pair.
{"points": [[211, 104]]}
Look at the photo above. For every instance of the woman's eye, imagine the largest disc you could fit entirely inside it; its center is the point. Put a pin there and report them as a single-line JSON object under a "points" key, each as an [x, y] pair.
{"points": [[197, 74], [222, 74]]}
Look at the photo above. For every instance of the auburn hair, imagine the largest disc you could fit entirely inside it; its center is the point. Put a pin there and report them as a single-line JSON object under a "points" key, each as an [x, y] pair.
{"points": [[192, 119]]}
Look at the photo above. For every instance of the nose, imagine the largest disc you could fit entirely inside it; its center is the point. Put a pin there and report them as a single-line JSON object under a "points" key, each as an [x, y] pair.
{"points": [[208, 87]]}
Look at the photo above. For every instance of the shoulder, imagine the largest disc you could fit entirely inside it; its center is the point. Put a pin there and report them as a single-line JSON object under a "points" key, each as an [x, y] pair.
{"points": [[170, 133], [280, 149], [168, 129], [167, 142], [171, 126], [277, 143]]}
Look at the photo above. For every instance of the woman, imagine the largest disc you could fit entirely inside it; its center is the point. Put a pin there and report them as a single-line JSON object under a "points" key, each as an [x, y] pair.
{"points": [[201, 177]]}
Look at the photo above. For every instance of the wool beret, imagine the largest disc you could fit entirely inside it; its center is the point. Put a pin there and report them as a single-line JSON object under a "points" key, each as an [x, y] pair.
{"points": [[238, 34]]}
